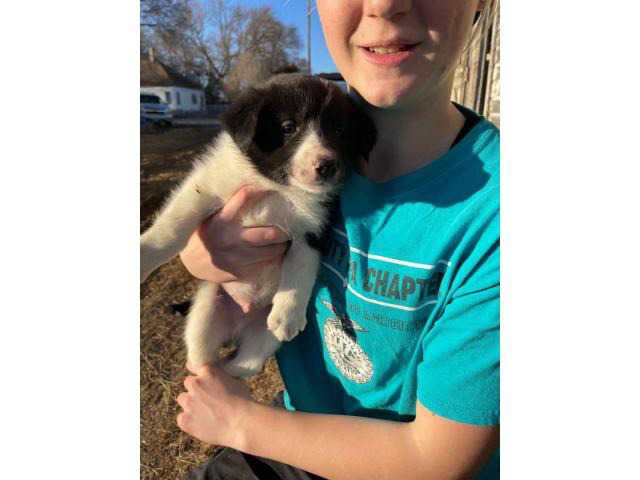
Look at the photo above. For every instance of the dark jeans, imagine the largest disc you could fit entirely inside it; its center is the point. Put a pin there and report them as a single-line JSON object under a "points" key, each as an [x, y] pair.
{"points": [[230, 464]]}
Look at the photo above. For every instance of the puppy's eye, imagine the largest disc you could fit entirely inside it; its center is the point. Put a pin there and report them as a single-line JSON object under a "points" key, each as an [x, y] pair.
{"points": [[340, 132], [288, 127]]}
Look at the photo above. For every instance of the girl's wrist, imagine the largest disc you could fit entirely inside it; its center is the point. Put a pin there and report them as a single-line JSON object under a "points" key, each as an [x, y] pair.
{"points": [[247, 414], [247, 434]]}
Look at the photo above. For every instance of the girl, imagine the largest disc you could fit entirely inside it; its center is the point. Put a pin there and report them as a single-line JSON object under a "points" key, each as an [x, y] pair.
{"points": [[397, 372]]}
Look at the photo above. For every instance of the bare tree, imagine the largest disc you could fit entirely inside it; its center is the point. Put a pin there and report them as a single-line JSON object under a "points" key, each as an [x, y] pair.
{"points": [[269, 39], [214, 39], [264, 46], [163, 14], [247, 70]]}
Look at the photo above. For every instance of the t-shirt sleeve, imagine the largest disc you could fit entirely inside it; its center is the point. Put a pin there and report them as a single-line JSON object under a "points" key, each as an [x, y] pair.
{"points": [[459, 375]]}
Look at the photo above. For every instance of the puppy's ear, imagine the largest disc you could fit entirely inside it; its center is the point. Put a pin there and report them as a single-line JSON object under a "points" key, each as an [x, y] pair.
{"points": [[241, 119], [365, 130]]}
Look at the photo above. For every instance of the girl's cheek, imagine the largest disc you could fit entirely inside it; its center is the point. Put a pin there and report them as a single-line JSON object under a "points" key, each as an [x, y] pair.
{"points": [[340, 20]]}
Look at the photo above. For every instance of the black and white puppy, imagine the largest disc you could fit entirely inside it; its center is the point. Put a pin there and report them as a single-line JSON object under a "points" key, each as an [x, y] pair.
{"points": [[295, 136]]}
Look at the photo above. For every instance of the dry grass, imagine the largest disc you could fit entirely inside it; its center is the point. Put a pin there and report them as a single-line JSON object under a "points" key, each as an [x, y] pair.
{"points": [[166, 452]]}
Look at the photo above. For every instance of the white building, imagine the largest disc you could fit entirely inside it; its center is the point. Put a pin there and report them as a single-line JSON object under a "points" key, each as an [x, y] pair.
{"points": [[181, 94]]}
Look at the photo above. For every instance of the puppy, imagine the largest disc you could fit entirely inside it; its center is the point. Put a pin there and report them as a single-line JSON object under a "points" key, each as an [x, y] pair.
{"points": [[295, 136]]}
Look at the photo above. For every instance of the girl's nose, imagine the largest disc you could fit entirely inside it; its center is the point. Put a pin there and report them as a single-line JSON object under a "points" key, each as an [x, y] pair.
{"points": [[386, 8]]}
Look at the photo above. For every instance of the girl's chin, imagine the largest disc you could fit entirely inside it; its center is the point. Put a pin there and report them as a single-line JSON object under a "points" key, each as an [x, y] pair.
{"points": [[387, 92], [388, 97]]}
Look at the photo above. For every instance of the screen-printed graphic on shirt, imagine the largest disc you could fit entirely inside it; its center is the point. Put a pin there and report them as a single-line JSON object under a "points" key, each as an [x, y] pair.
{"points": [[389, 282], [342, 345], [391, 293]]}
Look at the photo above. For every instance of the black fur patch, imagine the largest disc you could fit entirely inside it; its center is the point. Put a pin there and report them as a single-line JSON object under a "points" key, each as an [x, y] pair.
{"points": [[256, 121], [318, 241], [181, 308], [313, 241]]}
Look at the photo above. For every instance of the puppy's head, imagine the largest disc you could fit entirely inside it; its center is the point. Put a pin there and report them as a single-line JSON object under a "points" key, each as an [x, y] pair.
{"points": [[301, 131]]}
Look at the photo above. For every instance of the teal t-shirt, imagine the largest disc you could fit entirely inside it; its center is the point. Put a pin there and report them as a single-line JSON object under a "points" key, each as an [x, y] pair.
{"points": [[406, 304]]}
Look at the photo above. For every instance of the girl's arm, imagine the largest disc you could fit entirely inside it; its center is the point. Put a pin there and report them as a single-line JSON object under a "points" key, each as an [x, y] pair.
{"points": [[218, 410], [222, 250]]}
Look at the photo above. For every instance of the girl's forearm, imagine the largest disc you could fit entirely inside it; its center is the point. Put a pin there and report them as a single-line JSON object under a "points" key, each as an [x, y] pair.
{"points": [[332, 446], [218, 409]]}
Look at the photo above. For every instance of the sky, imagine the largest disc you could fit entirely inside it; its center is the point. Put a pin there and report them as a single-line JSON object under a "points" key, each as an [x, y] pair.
{"points": [[294, 12]]}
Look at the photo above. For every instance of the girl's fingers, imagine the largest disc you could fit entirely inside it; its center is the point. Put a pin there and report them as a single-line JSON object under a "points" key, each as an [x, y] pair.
{"points": [[240, 201], [237, 261], [261, 236], [198, 369], [268, 253], [253, 269], [182, 399]]}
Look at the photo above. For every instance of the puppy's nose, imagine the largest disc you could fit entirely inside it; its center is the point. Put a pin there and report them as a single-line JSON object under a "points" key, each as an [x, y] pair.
{"points": [[326, 169]]}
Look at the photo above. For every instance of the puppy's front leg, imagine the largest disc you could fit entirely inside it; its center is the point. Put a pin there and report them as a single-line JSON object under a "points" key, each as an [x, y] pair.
{"points": [[185, 210], [299, 271]]}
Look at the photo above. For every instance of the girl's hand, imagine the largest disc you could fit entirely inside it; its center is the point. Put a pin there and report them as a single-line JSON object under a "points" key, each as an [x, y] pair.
{"points": [[215, 406], [222, 250]]}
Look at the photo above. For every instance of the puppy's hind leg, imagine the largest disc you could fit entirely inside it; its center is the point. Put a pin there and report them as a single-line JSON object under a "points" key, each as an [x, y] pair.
{"points": [[257, 344], [206, 329]]}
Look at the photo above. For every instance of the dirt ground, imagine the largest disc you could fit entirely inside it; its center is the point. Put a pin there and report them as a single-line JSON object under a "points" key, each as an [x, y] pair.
{"points": [[165, 452]]}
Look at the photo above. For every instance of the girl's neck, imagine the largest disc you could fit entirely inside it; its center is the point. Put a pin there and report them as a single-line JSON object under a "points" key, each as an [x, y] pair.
{"points": [[410, 138]]}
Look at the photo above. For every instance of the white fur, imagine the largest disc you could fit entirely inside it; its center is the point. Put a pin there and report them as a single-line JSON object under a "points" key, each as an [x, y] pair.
{"points": [[214, 318], [304, 170]]}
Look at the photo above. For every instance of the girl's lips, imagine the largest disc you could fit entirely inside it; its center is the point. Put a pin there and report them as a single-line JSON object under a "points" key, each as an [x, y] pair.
{"points": [[388, 59]]}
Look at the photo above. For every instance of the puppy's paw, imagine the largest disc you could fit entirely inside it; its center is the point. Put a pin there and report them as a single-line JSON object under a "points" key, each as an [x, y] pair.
{"points": [[284, 324]]}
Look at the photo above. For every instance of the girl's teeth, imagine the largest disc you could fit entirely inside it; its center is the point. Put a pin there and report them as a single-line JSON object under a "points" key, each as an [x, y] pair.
{"points": [[385, 50]]}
